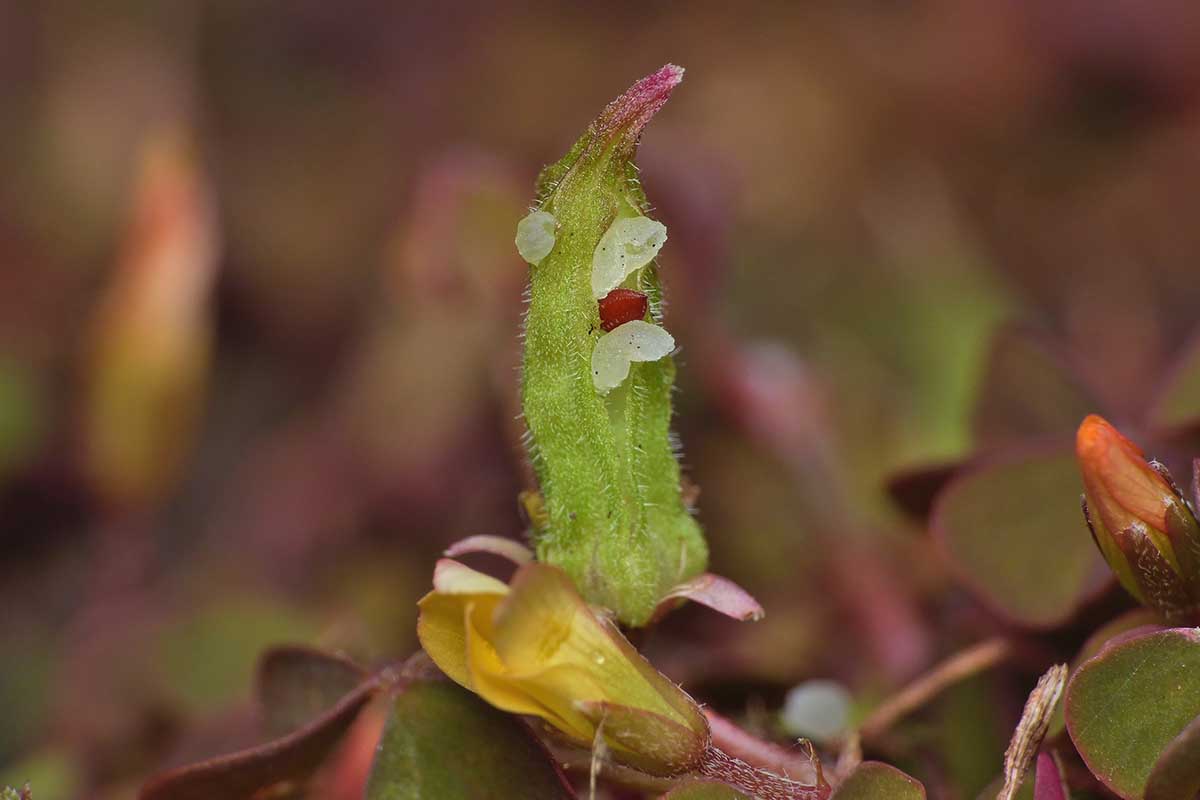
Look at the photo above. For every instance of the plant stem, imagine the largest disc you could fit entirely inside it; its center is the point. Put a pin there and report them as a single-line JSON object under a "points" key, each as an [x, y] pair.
{"points": [[761, 784], [961, 665], [742, 744]]}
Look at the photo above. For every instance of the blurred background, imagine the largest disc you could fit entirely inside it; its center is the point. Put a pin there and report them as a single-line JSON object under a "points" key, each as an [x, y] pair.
{"points": [[259, 305]]}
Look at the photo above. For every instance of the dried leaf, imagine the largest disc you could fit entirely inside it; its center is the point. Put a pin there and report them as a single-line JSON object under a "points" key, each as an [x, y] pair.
{"points": [[1031, 730]]}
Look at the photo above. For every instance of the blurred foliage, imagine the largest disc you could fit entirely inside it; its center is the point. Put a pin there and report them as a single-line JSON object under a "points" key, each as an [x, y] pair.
{"points": [[865, 201]]}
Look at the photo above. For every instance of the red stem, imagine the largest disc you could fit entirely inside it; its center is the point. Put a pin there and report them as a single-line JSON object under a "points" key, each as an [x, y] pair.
{"points": [[763, 785]]}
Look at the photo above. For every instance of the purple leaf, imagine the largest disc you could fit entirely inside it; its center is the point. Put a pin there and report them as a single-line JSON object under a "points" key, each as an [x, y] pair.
{"points": [[1049, 783], [290, 760], [296, 684], [718, 593]]}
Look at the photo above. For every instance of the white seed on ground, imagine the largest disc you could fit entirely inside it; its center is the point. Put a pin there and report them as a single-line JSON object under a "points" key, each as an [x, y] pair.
{"points": [[634, 341], [535, 236], [628, 245]]}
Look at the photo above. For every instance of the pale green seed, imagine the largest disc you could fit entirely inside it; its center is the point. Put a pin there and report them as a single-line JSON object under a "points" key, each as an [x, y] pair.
{"points": [[636, 340], [536, 235], [629, 244]]}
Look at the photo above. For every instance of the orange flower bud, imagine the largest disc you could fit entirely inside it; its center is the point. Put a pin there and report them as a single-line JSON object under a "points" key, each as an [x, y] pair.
{"points": [[1144, 528], [149, 340]]}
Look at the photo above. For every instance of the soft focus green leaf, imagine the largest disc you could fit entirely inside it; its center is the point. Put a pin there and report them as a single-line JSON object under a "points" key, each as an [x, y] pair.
{"points": [[1013, 531], [209, 658], [970, 732], [1125, 706], [50, 775], [21, 412], [704, 790], [874, 781], [1029, 390], [26, 686], [296, 684], [1178, 401], [444, 743], [1176, 774]]}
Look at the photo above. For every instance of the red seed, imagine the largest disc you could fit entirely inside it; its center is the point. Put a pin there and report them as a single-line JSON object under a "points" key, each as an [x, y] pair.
{"points": [[620, 306]]}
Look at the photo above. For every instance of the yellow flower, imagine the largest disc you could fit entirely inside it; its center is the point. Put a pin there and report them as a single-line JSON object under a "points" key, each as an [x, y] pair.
{"points": [[534, 647]]}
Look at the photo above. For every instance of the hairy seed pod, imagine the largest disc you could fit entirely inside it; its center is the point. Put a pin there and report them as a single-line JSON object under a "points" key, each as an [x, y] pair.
{"points": [[614, 518]]}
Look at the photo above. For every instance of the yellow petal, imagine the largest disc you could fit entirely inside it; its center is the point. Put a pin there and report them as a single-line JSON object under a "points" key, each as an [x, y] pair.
{"points": [[544, 626], [489, 678], [440, 626], [544, 623], [561, 689], [440, 631], [451, 577]]}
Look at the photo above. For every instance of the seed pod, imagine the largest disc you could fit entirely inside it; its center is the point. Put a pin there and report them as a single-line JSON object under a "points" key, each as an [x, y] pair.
{"points": [[614, 518]]}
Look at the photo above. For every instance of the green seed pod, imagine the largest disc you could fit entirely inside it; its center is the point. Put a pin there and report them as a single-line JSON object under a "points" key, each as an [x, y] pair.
{"points": [[612, 514]]}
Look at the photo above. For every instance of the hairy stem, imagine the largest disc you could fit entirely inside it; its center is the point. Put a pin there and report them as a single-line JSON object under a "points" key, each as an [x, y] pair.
{"points": [[763, 785], [740, 743]]}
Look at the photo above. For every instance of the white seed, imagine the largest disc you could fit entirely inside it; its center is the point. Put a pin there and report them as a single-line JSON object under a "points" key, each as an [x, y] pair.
{"points": [[628, 245], [535, 236], [634, 341], [817, 710]]}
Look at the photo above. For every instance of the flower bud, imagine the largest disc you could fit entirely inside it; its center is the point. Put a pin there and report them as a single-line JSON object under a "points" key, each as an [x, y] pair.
{"points": [[1144, 528], [150, 339], [536, 648]]}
